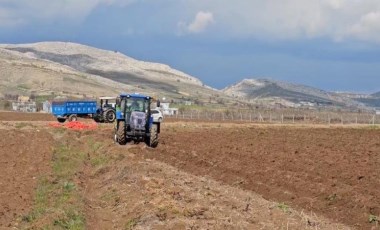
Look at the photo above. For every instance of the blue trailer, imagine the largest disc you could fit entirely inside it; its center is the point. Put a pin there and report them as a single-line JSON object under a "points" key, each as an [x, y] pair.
{"points": [[71, 110]]}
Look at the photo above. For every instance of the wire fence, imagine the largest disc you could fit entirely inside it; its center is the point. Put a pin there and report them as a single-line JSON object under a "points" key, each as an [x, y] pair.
{"points": [[281, 117]]}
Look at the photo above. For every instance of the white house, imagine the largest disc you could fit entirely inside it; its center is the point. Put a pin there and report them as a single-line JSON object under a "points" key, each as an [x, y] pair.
{"points": [[24, 106], [46, 107], [166, 110]]}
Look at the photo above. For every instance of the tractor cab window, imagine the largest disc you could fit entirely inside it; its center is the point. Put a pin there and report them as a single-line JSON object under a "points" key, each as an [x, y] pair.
{"points": [[136, 104]]}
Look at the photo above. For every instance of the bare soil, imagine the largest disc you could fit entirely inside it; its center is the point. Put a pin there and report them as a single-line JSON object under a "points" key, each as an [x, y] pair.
{"points": [[202, 176], [24, 158], [19, 116], [331, 171]]}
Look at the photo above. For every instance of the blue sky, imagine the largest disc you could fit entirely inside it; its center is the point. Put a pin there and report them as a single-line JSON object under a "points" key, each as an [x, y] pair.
{"points": [[329, 44]]}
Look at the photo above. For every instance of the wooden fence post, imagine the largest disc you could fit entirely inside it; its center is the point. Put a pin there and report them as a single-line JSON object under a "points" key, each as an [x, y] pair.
{"points": [[373, 119], [261, 118], [329, 120]]}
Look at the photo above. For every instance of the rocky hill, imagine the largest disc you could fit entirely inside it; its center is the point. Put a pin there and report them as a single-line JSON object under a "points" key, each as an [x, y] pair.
{"points": [[372, 100], [51, 69], [78, 70], [376, 95], [287, 94]]}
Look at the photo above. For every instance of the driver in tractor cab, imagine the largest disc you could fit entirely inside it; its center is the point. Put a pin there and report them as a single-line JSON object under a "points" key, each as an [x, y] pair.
{"points": [[135, 106]]}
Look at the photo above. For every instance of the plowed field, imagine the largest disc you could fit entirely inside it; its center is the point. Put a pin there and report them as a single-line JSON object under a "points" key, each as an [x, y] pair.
{"points": [[201, 176], [331, 171], [19, 116], [24, 159]]}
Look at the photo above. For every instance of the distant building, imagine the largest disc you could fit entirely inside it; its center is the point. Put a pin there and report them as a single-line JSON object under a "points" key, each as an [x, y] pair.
{"points": [[188, 102], [24, 106], [46, 107], [166, 110], [23, 99], [307, 103]]}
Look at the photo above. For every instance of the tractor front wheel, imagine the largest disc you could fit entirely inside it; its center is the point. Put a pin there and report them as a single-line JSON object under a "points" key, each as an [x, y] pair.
{"points": [[120, 134], [152, 140]]}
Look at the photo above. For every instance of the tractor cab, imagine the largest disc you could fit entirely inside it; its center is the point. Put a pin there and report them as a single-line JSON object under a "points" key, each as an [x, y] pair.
{"points": [[107, 102], [106, 110]]}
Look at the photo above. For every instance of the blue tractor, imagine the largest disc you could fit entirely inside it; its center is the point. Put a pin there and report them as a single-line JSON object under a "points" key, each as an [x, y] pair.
{"points": [[134, 120]]}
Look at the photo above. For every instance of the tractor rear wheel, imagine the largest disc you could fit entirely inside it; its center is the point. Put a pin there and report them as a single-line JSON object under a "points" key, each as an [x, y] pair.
{"points": [[73, 117], [120, 134], [109, 116], [152, 140]]}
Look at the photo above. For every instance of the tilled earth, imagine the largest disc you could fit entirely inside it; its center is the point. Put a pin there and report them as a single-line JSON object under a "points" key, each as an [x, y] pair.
{"points": [[331, 171], [19, 116], [24, 159], [202, 176]]}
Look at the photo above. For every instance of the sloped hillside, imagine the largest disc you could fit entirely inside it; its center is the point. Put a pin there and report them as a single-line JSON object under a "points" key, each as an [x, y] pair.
{"points": [[89, 59], [22, 74], [288, 94], [372, 100], [61, 67], [376, 95]]}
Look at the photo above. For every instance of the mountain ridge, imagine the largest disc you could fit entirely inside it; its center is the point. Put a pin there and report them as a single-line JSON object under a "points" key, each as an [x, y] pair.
{"points": [[77, 70], [82, 63], [376, 94], [288, 94], [70, 54]]}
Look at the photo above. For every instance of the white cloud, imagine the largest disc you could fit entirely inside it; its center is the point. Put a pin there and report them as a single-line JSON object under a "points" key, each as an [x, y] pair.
{"points": [[8, 20], [25, 11], [367, 28], [294, 19], [201, 22], [260, 19]]}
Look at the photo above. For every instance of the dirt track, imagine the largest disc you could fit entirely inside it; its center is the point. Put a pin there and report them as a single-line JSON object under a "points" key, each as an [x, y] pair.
{"points": [[332, 172], [19, 116]]}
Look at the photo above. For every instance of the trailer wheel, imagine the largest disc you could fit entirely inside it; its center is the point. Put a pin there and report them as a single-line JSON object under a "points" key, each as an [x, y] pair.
{"points": [[120, 134], [109, 116], [73, 117], [152, 140], [61, 119]]}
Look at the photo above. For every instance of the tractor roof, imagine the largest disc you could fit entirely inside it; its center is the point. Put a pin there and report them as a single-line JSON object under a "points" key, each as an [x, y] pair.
{"points": [[134, 95], [107, 98]]}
